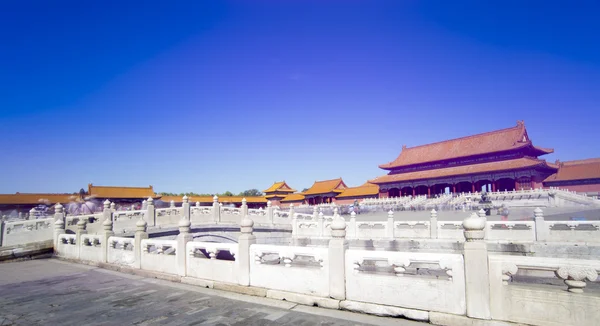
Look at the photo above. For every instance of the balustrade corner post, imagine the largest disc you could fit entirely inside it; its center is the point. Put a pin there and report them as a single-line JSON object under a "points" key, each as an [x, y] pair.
{"points": [[321, 224], [59, 228], [216, 209], [141, 227], [351, 227], [294, 220], [150, 212], [183, 238], [244, 207], [243, 259], [541, 229], [107, 232], [476, 267], [81, 225], [269, 212], [433, 224], [2, 223], [59, 215], [107, 211], [389, 227], [337, 259], [185, 208]]}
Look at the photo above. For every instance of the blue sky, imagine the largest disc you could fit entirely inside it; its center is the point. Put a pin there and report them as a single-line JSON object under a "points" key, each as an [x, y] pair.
{"points": [[210, 96]]}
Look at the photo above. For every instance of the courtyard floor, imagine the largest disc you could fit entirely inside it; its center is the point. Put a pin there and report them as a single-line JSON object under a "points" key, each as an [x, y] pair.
{"points": [[54, 292]]}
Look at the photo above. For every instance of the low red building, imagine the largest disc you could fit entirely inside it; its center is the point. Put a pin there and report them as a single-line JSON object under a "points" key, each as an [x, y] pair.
{"points": [[352, 194], [324, 191], [580, 176], [503, 159]]}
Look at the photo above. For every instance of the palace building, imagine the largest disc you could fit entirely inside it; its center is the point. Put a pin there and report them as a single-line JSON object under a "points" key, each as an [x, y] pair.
{"points": [[581, 176], [277, 192], [498, 160]]}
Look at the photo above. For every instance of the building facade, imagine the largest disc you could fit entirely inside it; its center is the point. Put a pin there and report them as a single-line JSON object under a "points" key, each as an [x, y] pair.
{"points": [[499, 160], [581, 176]]}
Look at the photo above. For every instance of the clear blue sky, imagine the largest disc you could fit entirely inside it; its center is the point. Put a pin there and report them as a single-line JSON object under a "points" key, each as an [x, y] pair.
{"points": [[210, 96]]}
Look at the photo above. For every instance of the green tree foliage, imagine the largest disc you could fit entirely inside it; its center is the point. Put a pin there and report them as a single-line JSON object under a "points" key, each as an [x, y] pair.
{"points": [[251, 193], [226, 194]]}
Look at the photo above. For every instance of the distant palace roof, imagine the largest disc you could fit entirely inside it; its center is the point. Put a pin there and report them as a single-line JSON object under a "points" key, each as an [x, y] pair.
{"points": [[367, 189], [489, 142], [279, 186], [121, 192], [326, 186], [34, 199], [465, 169], [577, 170]]}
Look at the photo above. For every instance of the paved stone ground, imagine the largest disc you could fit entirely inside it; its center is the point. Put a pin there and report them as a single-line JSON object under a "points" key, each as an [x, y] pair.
{"points": [[53, 292]]}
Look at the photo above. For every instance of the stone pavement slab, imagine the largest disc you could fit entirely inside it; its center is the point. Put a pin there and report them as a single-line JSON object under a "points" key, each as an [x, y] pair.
{"points": [[53, 292]]}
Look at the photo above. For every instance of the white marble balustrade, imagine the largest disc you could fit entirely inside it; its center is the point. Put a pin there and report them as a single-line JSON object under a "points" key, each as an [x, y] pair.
{"points": [[159, 255], [67, 246], [543, 304], [121, 251], [287, 268], [90, 247], [397, 279], [27, 231], [203, 261]]}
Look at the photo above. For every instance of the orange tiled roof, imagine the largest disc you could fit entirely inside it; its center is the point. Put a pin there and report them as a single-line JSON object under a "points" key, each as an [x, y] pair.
{"points": [[326, 186], [489, 142], [462, 170], [121, 192], [33, 199], [367, 189], [276, 196], [279, 186], [577, 170], [293, 197]]}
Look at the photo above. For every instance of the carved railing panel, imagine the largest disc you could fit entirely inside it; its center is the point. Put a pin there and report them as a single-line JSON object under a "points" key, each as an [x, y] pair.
{"points": [[290, 268], [428, 281], [544, 291]]}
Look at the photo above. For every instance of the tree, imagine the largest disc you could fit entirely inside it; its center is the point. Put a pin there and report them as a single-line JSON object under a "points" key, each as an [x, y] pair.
{"points": [[226, 194], [251, 193]]}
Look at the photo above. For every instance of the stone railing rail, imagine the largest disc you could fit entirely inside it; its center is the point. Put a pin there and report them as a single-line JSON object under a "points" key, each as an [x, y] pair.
{"points": [[526, 231], [25, 231], [443, 288], [72, 220]]}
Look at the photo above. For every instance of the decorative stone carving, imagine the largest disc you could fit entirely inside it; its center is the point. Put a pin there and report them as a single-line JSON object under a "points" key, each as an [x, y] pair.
{"points": [[575, 276], [338, 228], [508, 271], [246, 226], [474, 227]]}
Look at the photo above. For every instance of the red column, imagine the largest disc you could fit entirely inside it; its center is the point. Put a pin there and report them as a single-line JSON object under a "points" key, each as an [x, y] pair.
{"points": [[429, 191], [532, 184], [473, 187], [493, 186], [414, 191], [453, 189]]}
